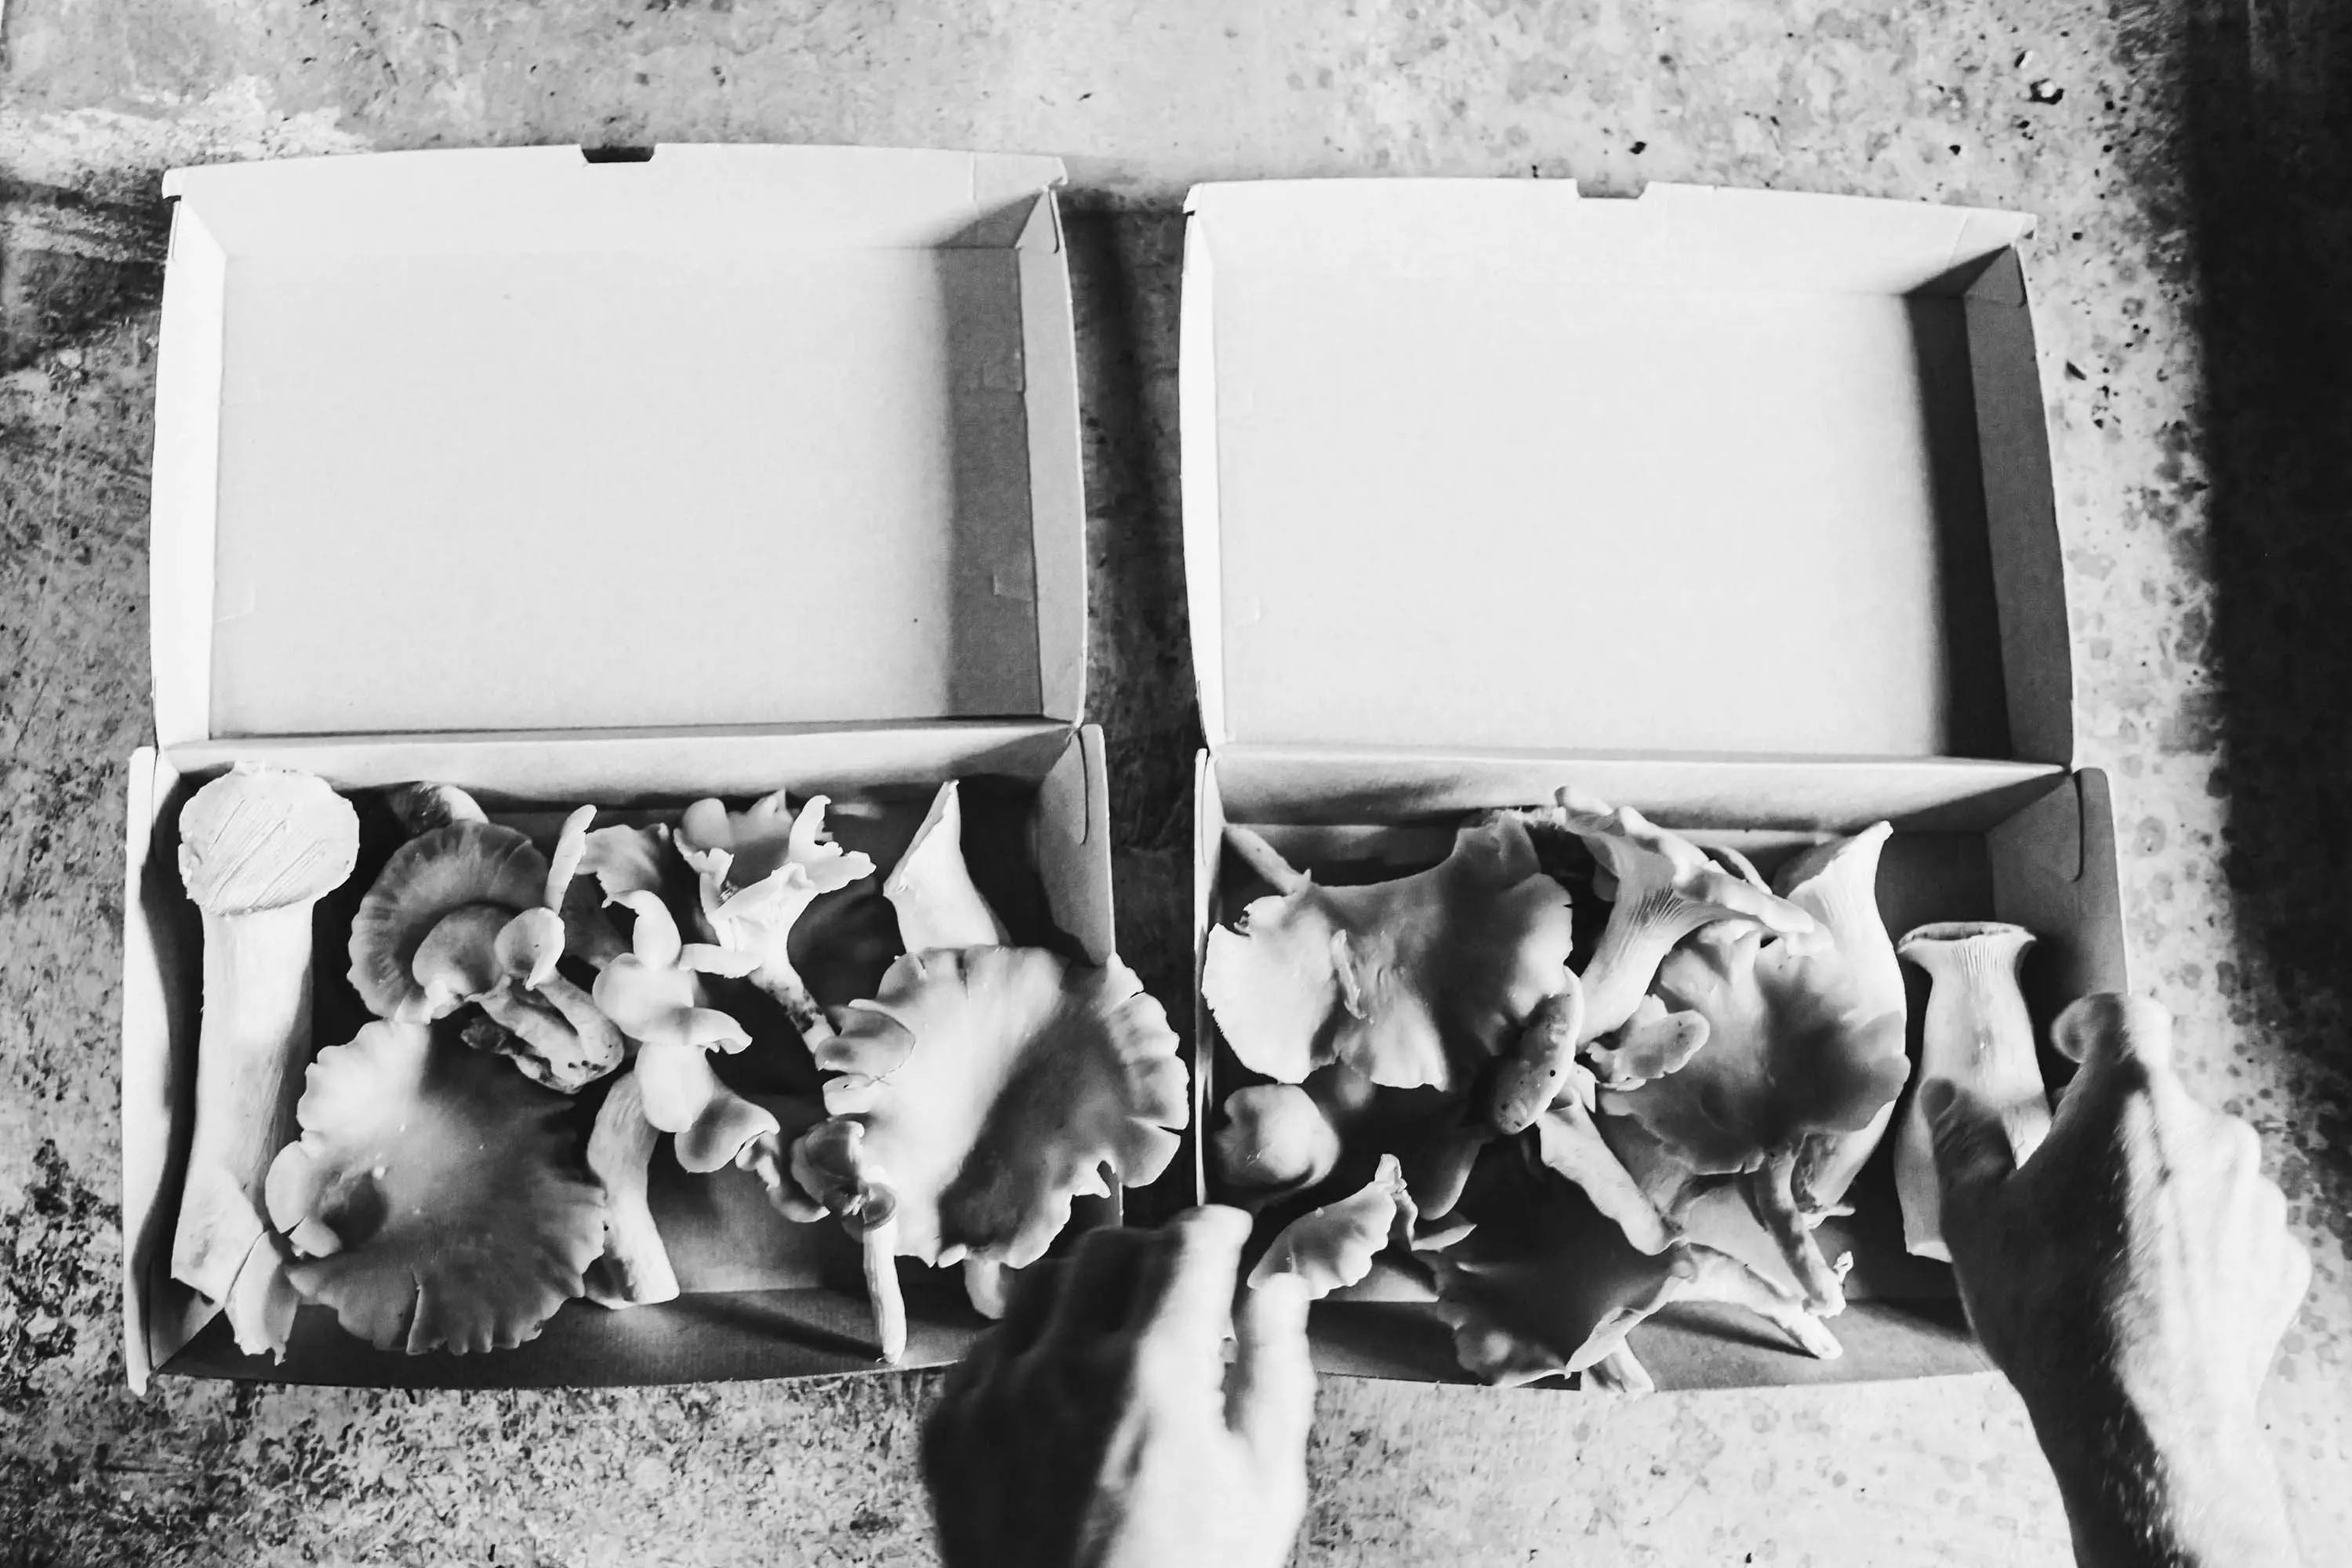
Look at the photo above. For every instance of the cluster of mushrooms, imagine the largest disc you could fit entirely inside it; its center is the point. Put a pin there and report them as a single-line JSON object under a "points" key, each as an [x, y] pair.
{"points": [[545, 1014], [1520, 1114]]}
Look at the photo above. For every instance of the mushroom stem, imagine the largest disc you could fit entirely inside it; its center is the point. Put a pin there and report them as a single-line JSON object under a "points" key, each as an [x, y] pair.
{"points": [[1976, 1033], [784, 983], [1770, 1199], [1620, 1372], [1573, 1146], [987, 1282], [881, 1245], [1250, 848], [257, 849], [1715, 1275], [634, 1269]]}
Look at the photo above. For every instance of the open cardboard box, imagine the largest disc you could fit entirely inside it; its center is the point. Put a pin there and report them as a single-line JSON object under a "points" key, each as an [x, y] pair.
{"points": [[625, 482], [1734, 507]]}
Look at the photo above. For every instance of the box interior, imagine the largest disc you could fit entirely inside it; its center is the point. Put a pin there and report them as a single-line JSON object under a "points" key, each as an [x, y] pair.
{"points": [[766, 1297], [1704, 472], [2039, 852], [510, 440]]}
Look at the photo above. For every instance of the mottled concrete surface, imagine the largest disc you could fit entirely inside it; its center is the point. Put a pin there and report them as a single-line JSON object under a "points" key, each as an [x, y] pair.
{"points": [[2190, 165]]}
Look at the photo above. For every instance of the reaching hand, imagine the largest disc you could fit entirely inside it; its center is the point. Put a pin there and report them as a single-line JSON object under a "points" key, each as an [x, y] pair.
{"points": [[2132, 1279], [1096, 1426]]}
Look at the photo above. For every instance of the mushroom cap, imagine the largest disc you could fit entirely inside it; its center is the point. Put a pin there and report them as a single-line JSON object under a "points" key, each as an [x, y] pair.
{"points": [[1333, 1246], [760, 869], [1274, 1135], [1407, 980], [1792, 1050], [459, 958], [450, 1184], [260, 838], [428, 878], [997, 1084]]}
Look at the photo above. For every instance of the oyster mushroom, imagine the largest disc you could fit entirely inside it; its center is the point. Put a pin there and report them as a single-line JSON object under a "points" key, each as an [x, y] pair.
{"points": [[422, 807], [758, 872], [989, 1088], [434, 1195], [470, 913], [257, 847], [1976, 1033], [1544, 1284], [1412, 982], [931, 887], [1664, 887], [1334, 1245], [1837, 884], [433, 876], [1792, 1049], [634, 1269], [1276, 1138], [654, 994]]}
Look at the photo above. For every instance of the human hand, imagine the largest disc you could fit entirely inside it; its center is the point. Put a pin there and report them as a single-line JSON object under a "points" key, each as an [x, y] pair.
{"points": [[1096, 1426], [2133, 1280]]}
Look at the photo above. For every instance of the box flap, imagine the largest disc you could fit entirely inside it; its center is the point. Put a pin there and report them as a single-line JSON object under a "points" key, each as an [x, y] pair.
{"points": [[1483, 465], [512, 440]]}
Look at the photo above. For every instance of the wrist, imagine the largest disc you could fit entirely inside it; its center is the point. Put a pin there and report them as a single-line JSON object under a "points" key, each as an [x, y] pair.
{"points": [[2165, 1491]]}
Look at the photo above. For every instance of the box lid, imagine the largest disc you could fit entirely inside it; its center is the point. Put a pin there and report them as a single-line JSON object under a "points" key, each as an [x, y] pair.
{"points": [[1484, 465], [520, 439]]}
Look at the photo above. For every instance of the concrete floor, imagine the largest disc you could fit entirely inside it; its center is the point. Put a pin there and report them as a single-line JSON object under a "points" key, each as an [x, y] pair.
{"points": [[2189, 163]]}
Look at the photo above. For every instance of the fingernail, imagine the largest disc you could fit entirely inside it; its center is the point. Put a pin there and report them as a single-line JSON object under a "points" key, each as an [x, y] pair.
{"points": [[1936, 1096]]}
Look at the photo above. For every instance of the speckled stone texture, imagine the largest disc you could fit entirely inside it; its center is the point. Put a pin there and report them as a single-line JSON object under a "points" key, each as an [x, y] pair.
{"points": [[2190, 165]]}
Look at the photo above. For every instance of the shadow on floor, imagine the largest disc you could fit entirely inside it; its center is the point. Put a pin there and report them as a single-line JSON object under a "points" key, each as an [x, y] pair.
{"points": [[2266, 147]]}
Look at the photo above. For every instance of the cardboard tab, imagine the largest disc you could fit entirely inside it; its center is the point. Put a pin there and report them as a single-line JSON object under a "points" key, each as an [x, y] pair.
{"points": [[509, 440], [1486, 466]]}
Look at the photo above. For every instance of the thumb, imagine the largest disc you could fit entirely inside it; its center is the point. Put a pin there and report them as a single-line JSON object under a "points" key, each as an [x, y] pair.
{"points": [[1972, 1152], [1271, 1401]]}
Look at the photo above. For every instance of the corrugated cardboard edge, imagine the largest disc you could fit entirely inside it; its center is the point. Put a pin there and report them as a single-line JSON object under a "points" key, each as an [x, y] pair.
{"points": [[1208, 855], [1196, 427], [2022, 515], [1058, 497], [146, 1086], [184, 507], [1076, 871]]}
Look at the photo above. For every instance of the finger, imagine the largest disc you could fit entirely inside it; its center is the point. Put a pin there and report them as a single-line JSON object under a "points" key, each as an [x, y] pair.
{"points": [[1035, 1291], [1972, 1152], [1100, 1288], [2109, 1028], [1186, 1300], [1270, 1401]]}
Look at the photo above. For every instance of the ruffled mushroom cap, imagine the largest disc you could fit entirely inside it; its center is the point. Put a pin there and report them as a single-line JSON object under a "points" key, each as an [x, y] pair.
{"points": [[757, 872], [428, 878], [433, 1198], [654, 994], [1663, 887], [1334, 1245], [1409, 982], [1837, 884], [1546, 1285], [995, 1085], [1792, 1051], [931, 889]]}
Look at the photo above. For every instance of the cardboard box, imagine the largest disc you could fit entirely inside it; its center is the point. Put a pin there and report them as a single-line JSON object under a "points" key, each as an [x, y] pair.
{"points": [[1731, 506], [620, 482]]}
